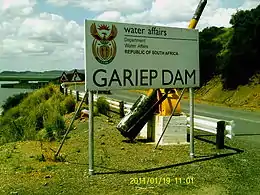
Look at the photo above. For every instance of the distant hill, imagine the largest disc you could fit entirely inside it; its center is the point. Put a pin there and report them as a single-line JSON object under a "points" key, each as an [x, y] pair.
{"points": [[51, 73]]}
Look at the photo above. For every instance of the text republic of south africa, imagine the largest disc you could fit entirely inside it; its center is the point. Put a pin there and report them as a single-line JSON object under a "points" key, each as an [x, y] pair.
{"points": [[120, 55]]}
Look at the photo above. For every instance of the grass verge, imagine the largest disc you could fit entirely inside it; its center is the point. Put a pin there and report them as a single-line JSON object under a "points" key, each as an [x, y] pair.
{"points": [[125, 168]]}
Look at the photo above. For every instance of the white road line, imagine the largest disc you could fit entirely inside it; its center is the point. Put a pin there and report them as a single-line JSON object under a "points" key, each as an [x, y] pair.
{"points": [[230, 118]]}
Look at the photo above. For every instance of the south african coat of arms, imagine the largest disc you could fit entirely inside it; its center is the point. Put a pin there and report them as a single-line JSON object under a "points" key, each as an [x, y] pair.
{"points": [[104, 45]]}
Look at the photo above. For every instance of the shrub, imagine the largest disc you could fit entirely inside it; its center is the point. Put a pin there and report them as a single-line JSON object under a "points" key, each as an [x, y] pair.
{"points": [[15, 112], [54, 125], [42, 135], [39, 123], [60, 158], [95, 111], [13, 101], [103, 106], [39, 96], [12, 113], [29, 124], [69, 104], [55, 103], [11, 132], [40, 158], [11, 128], [17, 129], [6, 134], [37, 116]]}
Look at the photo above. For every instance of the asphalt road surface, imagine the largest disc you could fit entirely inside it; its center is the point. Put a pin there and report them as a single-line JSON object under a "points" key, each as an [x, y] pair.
{"points": [[247, 123]]}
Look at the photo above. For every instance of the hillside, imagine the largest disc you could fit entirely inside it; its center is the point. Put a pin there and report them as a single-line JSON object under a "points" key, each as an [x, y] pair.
{"points": [[37, 114], [246, 96]]}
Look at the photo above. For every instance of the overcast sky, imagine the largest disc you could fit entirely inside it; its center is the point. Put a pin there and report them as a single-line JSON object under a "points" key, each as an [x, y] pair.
{"points": [[42, 35]]}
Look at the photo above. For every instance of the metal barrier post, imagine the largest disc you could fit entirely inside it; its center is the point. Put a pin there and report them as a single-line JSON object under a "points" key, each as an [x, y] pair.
{"points": [[77, 96], [121, 109], [61, 89], [221, 125]]}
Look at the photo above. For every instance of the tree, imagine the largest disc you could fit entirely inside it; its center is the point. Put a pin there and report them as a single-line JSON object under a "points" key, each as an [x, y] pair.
{"points": [[208, 52], [242, 60]]}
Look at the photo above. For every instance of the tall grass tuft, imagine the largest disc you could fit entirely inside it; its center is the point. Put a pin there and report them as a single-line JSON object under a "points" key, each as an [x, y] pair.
{"points": [[103, 106], [69, 103], [13, 101], [38, 116]]}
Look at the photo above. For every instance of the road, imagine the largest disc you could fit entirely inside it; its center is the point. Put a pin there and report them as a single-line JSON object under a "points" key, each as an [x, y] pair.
{"points": [[247, 123]]}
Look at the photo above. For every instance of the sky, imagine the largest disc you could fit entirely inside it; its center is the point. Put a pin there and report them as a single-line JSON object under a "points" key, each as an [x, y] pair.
{"points": [[40, 35]]}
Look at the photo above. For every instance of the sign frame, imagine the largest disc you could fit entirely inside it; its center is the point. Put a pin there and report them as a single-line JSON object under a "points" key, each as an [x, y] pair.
{"points": [[174, 65]]}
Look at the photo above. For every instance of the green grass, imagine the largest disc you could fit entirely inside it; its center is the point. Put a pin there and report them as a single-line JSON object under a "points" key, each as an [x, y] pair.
{"points": [[38, 116], [246, 97], [118, 163]]}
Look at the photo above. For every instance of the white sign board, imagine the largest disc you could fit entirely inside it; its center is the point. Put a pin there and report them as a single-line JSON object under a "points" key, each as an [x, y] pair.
{"points": [[128, 56]]}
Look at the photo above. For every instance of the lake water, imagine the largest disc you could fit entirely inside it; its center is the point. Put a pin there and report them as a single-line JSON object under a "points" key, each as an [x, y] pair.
{"points": [[6, 92]]}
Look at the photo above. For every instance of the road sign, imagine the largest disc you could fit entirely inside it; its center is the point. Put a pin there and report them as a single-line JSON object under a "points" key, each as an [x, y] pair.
{"points": [[127, 56], [76, 77], [63, 77]]}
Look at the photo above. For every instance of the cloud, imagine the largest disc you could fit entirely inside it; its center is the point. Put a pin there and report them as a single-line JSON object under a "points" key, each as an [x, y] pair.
{"points": [[43, 41], [249, 4], [125, 6], [110, 16], [11, 8], [46, 27], [173, 13], [39, 41], [220, 17]]}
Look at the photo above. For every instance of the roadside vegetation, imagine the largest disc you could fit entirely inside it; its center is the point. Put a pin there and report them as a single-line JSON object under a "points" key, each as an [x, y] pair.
{"points": [[13, 101], [233, 53], [124, 167], [245, 96], [31, 132], [38, 115]]}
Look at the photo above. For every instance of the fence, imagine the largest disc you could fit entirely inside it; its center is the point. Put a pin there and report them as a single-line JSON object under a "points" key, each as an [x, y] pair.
{"points": [[200, 122]]}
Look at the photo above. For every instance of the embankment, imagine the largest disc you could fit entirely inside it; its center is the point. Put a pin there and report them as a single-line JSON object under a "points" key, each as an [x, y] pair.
{"points": [[38, 116], [245, 97]]}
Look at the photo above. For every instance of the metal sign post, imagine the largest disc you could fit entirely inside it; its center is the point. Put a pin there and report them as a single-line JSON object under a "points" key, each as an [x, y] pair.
{"points": [[91, 119], [91, 134], [191, 91]]}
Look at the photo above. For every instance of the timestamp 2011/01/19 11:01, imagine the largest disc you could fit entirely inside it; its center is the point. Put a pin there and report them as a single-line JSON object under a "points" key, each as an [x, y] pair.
{"points": [[161, 180]]}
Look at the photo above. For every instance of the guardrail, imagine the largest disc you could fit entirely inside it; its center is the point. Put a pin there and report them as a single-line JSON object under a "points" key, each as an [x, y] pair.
{"points": [[210, 125], [200, 122], [116, 104]]}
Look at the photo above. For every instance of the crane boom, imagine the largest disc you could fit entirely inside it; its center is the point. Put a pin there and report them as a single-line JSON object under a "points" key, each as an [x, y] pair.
{"points": [[166, 107]]}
